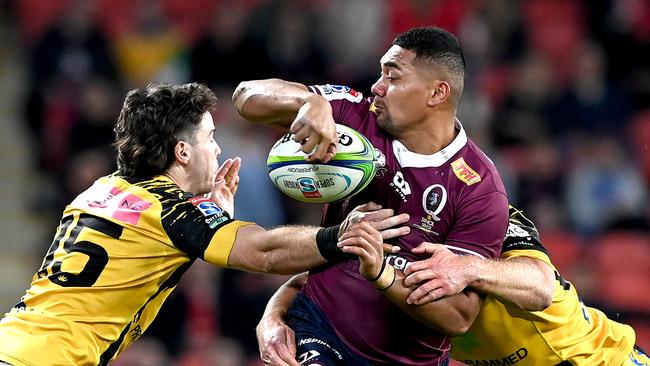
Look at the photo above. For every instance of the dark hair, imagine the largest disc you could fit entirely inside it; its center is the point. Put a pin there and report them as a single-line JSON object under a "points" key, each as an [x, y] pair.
{"points": [[152, 121], [434, 45]]}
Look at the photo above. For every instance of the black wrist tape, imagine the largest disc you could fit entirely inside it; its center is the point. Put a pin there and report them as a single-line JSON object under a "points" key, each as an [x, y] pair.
{"points": [[326, 240]]}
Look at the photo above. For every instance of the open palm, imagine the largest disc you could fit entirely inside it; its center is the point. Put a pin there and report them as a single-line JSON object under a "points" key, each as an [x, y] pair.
{"points": [[225, 185]]}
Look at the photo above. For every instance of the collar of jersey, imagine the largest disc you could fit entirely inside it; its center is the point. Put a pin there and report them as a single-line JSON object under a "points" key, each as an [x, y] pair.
{"points": [[409, 159]]}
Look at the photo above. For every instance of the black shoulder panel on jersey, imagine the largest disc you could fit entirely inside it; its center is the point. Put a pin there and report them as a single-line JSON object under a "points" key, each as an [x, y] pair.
{"points": [[190, 222], [522, 233]]}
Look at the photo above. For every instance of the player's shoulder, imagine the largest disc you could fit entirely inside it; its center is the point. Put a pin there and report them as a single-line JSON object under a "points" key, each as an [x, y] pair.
{"points": [[333, 92], [473, 168], [160, 187]]}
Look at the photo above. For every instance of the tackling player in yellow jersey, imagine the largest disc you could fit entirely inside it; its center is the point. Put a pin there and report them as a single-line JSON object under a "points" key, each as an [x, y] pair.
{"points": [[564, 333], [123, 244]]}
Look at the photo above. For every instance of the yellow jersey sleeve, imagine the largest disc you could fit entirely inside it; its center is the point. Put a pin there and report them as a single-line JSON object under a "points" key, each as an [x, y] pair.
{"points": [[219, 248]]}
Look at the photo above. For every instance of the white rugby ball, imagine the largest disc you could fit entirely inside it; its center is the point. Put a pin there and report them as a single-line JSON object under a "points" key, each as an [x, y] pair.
{"points": [[350, 171]]}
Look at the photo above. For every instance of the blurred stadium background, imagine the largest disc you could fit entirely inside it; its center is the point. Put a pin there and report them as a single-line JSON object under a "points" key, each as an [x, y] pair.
{"points": [[557, 92]]}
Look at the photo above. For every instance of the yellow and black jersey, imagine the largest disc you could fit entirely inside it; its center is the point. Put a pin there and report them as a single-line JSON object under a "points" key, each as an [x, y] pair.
{"points": [[119, 251], [565, 333]]}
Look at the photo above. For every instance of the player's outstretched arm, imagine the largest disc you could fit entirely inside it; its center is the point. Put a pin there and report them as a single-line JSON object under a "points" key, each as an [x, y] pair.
{"points": [[291, 106], [293, 249], [276, 341], [452, 315], [521, 280]]}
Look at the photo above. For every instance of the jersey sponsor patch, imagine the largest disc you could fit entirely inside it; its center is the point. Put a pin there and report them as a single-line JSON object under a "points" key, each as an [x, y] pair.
{"points": [[510, 359], [213, 213], [338, 92], [122, 206], [464, 172]]}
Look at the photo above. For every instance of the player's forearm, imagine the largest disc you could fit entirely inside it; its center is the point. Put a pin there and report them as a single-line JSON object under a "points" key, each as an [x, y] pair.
{"points": [[451, 315], [524, 282], [270, 101], [278, 306], [283, 250]]}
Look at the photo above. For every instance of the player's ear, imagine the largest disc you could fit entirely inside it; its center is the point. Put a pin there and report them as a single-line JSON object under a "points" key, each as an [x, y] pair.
{"points": [[182, 152], [439, 93]]}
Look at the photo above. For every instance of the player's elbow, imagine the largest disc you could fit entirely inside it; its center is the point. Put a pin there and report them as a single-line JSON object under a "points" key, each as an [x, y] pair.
{"points": [[541, 295], [239, 96], [541, 299], [536, 301], [451, 325], [455, 329]]}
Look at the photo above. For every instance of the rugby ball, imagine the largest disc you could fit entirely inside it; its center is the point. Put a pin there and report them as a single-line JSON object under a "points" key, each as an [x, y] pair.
{"points": [[349, 172]]}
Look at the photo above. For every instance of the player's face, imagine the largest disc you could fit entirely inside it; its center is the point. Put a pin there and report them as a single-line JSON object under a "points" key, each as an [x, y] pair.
{"points": [[203, 159], [401, 93]]}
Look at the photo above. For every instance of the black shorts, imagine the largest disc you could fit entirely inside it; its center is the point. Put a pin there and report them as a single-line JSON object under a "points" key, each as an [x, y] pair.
{"points": [[316, 341]]}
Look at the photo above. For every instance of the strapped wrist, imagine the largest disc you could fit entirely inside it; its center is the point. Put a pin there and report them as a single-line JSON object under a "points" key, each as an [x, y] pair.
{"points": [[326, 240], [386, 277]]}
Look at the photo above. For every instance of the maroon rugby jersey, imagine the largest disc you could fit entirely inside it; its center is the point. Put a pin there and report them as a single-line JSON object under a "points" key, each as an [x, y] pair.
{"points": [[454, 196]]}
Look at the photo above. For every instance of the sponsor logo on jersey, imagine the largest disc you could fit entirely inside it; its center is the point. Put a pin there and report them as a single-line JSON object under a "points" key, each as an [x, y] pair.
{"points": [[117, 204], [464, 172], [397, 261], [213, 213], [511, 359], [338, 92], [517, 231], [401, 186]]}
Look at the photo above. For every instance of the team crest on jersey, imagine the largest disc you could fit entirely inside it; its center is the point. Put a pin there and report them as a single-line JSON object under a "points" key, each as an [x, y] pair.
{"points": [[464, 172], [337, 92], [213, 213], [434, 199]]}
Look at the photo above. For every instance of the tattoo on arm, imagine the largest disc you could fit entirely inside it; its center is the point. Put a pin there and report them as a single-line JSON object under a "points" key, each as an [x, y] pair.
{"points": [[236, 98]]}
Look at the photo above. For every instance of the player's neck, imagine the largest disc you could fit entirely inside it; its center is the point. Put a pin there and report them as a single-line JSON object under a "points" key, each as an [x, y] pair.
{"points": [[176, 175], [433, 136]]}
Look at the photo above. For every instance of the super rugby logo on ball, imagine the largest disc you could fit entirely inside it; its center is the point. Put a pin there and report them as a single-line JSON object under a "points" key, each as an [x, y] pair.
{"points": [[349, 172]]}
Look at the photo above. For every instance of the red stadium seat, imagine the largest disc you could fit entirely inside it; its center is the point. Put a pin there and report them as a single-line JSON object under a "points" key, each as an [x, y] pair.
{"points": [[564, 248], [555, 36], [622, 266]]}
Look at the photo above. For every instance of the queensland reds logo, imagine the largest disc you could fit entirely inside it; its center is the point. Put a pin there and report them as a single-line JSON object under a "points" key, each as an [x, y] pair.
{"points": [[434, 199]]}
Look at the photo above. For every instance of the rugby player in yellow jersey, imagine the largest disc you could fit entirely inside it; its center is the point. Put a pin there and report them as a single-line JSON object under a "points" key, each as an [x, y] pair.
{"points": [[123, 244], [530, 315]]}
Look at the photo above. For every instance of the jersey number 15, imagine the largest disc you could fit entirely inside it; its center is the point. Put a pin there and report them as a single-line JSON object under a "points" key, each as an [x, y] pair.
{"points": [[97, 255]]}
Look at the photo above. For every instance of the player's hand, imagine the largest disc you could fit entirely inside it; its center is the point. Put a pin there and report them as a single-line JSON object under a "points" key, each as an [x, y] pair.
{"points": [[444, 274], [277, 342], [315, 130], [383, 220], [362, 240], [225, 185]]}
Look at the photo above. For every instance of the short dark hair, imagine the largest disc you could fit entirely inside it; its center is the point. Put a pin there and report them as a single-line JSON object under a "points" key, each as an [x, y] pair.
{"points": [[152, 121], [435, 45]]}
